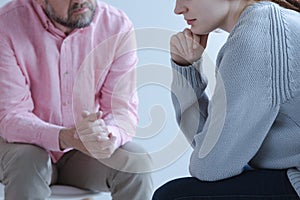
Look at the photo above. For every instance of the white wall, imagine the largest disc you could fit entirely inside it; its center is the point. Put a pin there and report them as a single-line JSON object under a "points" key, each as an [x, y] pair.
{"points": [[155, 22], [2, 2], [159, 14]]}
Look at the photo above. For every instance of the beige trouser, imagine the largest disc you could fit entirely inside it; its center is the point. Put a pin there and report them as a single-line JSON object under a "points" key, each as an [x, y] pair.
{"points": [[26, 171]]}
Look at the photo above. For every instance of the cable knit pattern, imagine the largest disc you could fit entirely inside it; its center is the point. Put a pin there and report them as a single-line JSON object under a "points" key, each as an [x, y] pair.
{"points": [[281, 89], [253, 117]]}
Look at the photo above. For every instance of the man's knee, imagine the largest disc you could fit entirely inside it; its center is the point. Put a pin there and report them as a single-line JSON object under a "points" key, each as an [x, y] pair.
{"points": [[27, 169], [25, 160], [141, 160], [131, 158]]}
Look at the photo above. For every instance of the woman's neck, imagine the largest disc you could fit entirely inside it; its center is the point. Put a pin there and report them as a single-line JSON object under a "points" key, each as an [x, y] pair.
{"points": [[235, 11]]}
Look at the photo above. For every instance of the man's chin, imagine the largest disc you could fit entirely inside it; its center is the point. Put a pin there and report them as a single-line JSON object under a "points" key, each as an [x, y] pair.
{"points": [[82, 20], [82, 16]]}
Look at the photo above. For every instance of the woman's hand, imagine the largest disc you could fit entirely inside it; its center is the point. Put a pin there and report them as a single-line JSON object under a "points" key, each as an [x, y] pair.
{"points": [[187, 47]]}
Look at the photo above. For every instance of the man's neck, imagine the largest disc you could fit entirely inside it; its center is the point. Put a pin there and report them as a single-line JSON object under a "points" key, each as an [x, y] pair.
{"points": [[64, 29]]}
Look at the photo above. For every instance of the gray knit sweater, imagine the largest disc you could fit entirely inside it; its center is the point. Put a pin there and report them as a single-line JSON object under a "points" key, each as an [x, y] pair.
{"points": [[253, 117]]}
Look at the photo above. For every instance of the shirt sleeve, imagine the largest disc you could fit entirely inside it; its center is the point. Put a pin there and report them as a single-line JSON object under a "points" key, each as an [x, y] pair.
{"points": [[118, 98], [18, 123]]}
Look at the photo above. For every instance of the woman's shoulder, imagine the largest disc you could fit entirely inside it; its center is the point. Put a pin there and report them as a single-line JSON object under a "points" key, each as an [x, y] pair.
{"points": [[254, 19], [267, 37], [266, 16], [263, 22]]}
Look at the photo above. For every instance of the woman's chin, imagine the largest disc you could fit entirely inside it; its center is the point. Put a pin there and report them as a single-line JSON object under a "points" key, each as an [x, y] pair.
{"points": [[199, 32]]}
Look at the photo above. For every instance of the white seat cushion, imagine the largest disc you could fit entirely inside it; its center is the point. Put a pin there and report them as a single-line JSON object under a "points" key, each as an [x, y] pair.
{"points": [[60, 192]]}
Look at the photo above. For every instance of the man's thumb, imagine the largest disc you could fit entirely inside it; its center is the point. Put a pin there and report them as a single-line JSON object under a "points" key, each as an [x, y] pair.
{"points": [[85, 114]]}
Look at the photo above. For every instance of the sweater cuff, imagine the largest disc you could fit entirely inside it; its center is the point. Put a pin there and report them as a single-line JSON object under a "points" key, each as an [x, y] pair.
{"points": [[192, 75], [294, 177]]}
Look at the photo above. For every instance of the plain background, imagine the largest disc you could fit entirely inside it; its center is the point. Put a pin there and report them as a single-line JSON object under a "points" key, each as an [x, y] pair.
{"points": [[155, 22]]}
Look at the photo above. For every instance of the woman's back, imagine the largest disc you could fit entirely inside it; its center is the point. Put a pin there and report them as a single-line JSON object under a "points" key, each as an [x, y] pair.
{"points": [[261, 60]]}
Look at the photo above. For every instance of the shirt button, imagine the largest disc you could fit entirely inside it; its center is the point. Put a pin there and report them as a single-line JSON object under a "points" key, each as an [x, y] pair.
{"points": [[66, 103], [66, 73]]}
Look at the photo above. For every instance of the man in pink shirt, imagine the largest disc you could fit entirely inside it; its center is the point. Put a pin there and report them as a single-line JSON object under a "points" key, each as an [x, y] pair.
{"points": [[68, 105]]}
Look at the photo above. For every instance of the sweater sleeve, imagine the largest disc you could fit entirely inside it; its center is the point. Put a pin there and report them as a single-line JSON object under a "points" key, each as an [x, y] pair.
{"points": [[240, 115], [245, 103], [188, 82]]}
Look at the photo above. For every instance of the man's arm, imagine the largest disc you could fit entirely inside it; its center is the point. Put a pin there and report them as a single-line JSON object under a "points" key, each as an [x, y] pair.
{"points": [[18, 123], [117, 98]]}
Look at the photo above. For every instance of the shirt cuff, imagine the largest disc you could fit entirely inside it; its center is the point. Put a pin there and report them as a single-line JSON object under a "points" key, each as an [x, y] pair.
{"points": [[50, 139], [121, 137]]}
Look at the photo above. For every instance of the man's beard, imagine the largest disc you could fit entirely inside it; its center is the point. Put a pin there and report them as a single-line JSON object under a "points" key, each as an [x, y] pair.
{"points": [[79, 21]]}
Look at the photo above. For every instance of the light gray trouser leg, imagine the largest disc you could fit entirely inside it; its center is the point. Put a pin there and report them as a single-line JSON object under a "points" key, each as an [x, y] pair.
{"points": [[125, 176], [25, 171]]}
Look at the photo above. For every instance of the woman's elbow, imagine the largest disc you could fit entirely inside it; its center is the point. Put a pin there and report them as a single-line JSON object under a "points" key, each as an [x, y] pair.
{"points": [[206, 170]]}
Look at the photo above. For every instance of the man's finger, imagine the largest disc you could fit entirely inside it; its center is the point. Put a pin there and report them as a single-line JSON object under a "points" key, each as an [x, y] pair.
{"points": [[91, 116], [85, 113]]}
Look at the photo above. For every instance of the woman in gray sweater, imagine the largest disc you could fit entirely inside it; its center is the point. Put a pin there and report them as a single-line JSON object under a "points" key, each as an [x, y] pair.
{"points": [[246, 138]]}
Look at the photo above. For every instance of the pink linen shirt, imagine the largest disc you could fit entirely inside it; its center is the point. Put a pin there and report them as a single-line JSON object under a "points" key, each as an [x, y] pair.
{"points": [[48, 78]]}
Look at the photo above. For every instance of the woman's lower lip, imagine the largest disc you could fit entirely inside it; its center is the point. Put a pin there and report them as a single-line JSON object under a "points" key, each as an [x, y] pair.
{"points": [[190, 22]]}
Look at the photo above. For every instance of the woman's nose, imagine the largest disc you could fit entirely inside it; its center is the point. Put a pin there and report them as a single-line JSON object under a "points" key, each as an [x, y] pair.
{"points": [[179, 7]]}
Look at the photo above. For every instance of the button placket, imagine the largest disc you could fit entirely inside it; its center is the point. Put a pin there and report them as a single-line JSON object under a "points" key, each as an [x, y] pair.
{"points": [[66, 82]]}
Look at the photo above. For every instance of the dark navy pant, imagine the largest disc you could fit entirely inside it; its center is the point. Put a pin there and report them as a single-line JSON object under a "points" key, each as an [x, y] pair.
{"points": [[253, 184]]}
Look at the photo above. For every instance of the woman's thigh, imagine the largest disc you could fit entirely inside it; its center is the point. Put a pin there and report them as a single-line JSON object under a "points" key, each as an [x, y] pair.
{"points": [[254, 184]]}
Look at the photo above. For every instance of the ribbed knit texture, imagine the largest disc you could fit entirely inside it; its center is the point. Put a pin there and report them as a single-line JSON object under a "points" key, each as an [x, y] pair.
{"points": [[253, 116]]}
